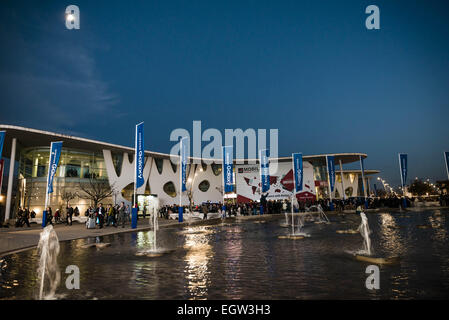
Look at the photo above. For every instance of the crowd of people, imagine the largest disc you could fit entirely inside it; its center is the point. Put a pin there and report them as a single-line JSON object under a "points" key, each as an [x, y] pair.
{"points": [[120, 214]]}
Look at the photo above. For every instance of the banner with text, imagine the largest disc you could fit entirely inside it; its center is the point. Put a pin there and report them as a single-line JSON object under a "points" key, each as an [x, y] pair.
{"points": [[403, 168], [140, 156], [282, 184], [228, 166], [265, 170], [2, 140], [297, 171], [55, 154], [183, 152], [331, 171]]}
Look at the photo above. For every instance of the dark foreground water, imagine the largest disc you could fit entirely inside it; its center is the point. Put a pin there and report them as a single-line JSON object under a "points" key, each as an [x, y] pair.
{"points": [[246, 260]]}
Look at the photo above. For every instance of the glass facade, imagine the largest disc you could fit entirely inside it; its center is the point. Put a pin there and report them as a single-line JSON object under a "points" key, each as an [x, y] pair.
{"points": [[33, 163], [75, 167]]}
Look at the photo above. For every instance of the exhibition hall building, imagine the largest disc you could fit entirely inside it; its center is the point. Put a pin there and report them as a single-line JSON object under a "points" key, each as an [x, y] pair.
{"points": [[86, 162]]}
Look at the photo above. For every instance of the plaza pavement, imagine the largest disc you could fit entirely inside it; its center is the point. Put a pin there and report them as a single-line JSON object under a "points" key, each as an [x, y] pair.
{"points": [[14, 239]]}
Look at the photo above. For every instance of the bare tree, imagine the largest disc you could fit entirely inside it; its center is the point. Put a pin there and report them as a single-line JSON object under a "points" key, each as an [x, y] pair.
{"points": [[96, 189], [67, 196]]}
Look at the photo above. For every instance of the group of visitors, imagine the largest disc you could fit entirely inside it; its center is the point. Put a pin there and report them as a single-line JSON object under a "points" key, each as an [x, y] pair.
{"points": [[111, 215], [23, 217]]}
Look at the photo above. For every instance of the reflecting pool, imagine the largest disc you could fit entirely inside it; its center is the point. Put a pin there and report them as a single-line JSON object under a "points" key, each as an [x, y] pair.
{"points": [[247, 260]]}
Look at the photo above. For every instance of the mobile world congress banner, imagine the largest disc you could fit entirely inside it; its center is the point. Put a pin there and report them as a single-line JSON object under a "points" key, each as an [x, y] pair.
{"points": [[228, 166], [140, 155], [265, 170], [183, 153], [297, 171], [403, 168], [55, 154], [282, 184], [331, 171], [2, 140]]}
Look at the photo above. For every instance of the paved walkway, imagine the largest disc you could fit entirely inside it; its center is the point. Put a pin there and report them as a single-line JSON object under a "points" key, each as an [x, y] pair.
{"points": [[13, 239], [16, 239]]}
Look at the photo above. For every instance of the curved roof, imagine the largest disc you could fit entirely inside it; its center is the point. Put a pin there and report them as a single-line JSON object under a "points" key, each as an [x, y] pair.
{"points": [[28, 137]]}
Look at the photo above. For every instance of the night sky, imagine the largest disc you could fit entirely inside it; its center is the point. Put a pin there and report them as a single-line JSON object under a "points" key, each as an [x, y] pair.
{"points": [[308, 68]]}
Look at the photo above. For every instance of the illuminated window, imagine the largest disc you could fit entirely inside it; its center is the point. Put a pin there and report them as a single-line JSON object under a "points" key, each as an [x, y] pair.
{"points": [[351, 177]]}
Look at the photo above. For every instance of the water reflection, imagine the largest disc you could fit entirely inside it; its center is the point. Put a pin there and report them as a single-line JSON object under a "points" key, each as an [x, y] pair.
{"points": [[199, 253], [233, 253], [390, 235], [248, 261]]}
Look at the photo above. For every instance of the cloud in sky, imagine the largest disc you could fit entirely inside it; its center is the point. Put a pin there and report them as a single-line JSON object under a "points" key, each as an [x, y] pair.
{"points": [[53, 80]]}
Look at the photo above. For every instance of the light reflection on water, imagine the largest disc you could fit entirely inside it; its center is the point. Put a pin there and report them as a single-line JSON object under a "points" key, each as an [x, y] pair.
{"points": [[198, 254], [247, 261]]}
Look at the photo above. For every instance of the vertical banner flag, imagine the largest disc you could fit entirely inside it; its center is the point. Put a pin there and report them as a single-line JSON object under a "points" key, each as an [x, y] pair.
{"points": [[403, 168], [2, 165], [446, 158], [264, 170], [55, 154], [183, 164], [375, 190], [228, 165], [297, 171], [140, 156], [331, 171], [2, 140]]}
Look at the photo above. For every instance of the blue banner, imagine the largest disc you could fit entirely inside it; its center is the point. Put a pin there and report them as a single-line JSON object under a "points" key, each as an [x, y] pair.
{"points": [[264, 170], [228, 169], [183, 152], [2, 140], [55, 154], [331, 171], [140, 156], [375, 190], [446, 158], [403, 168], [297, 171]]}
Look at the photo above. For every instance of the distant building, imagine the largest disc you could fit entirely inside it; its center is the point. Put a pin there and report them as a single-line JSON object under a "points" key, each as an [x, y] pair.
{"points": [[83, 158]]}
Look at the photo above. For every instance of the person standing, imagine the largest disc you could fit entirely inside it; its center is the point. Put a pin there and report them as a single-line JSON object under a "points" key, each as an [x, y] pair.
{"points": [[69, 215], [57, 216], [26, 217], [100, 213], [49, 216], [121, 214], [127, 213], [205, 210]]}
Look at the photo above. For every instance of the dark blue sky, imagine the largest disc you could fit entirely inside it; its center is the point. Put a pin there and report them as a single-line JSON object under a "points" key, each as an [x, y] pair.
{"points": [[309, 68]]}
